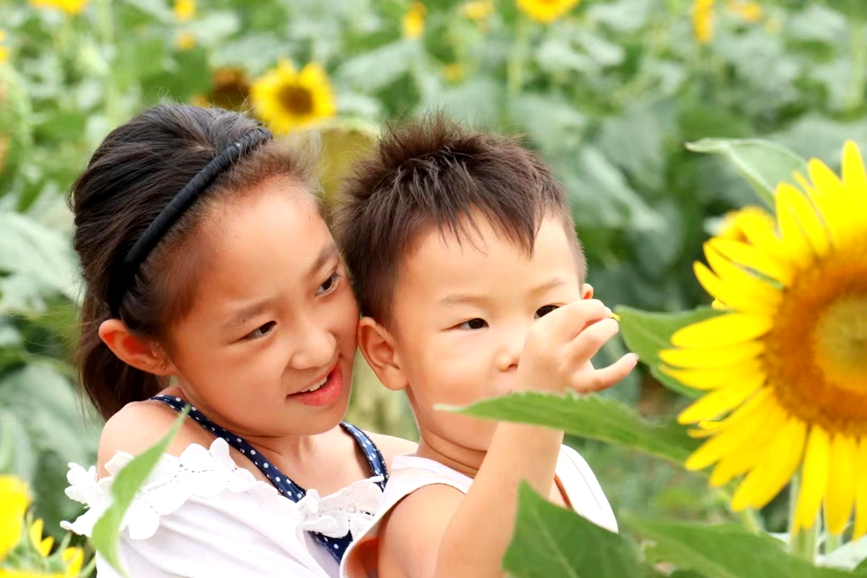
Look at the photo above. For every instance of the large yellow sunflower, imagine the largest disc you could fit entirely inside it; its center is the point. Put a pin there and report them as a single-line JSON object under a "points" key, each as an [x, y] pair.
{"points": [[785, 367], [546, 10], [288, 100]]}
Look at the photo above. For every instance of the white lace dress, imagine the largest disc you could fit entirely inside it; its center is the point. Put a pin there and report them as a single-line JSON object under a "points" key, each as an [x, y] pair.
{"points": [[200, 515]]}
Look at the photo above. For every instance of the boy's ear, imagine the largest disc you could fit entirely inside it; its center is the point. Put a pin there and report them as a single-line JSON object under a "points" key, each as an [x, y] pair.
{"points": [[586, 291], [377, 347], [133, 350]]}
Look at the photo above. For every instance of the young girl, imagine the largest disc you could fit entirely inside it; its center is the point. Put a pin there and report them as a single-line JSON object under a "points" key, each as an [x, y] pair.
{"points": [[212, 280]]}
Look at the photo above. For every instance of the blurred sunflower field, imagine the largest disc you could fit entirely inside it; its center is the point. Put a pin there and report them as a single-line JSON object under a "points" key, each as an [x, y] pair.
{"points": [[681, 130]]}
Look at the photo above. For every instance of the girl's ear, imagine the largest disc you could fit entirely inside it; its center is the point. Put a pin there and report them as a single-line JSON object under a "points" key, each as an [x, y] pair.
{"points": [[377, 346], [586, 291], [133, 350]]}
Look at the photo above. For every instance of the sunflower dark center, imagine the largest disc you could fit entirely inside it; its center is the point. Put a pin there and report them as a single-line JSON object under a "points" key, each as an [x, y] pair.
{"points": [[296, 100]]}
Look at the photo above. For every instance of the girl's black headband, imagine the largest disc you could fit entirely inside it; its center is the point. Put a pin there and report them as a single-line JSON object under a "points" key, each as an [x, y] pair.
{"points": [[174, 210]]}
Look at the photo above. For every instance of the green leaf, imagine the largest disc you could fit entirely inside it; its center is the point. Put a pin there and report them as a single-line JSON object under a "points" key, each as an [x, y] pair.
{"points": [[861, 568], [646, 333], [553, 542], [593, 417], [126, 484], [763, 164], [371, 71], [36, 252], [726, 551], [854, 9]]}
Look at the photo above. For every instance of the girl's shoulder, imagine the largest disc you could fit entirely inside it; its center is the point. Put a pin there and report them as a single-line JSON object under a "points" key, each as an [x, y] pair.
{"points": [[138, 426]]}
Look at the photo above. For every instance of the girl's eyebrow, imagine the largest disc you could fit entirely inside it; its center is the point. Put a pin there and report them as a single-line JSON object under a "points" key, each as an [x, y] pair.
{"points": [[241, 316], [327, 253]]}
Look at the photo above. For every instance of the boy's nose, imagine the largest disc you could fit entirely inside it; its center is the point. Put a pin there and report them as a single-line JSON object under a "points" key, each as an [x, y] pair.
{"points": [[510, 352]]}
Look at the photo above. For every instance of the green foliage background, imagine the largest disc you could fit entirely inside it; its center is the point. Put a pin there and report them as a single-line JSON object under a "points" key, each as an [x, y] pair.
{"points": [[609, 94]]}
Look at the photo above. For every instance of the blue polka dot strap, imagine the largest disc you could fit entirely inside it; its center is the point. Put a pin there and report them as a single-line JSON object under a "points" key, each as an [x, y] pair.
{"points": [[286, 487]]}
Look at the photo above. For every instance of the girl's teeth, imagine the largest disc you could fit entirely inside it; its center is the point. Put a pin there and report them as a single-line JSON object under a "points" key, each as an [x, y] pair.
{"points": [[317, 386]]}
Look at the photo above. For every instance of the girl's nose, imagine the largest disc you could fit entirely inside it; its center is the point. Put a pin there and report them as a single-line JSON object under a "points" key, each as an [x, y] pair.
{"points": [[314, 347]]}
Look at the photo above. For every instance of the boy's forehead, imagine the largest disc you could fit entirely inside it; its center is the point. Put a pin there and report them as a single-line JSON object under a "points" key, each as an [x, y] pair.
{"points": [[441, 258]]}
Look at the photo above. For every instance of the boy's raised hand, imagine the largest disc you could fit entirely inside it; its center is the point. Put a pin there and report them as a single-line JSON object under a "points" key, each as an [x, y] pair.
{"points": [[558, 349]]}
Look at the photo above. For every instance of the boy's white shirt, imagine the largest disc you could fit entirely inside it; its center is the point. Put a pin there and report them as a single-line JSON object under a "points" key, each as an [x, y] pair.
{"points": [[410, 473]]}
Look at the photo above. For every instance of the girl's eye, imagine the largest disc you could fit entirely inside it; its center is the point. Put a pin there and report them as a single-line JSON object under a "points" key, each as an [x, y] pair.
{"points": [[261, 331], [473, 324], [329, 284], [543, 311]]}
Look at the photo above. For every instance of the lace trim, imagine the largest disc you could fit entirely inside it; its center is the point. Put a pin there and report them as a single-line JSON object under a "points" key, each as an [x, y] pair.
{"points": [[204, 473]]}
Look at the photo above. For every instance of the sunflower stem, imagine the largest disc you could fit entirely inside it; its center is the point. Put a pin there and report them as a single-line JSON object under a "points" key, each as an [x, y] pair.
{"points": [[751, 520], [859, 64], [832, 542], [518, 58], [802, 542]]}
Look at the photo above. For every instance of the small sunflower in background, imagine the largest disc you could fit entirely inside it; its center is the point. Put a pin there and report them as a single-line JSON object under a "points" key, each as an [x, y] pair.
{"points": [[785, 366], [546, 10], [478, 9], [704, 16], [71, 7], [4, 50], [185, 10], [231, 90], [413, 21], [289, 100], [703, 20], [14, 500]]}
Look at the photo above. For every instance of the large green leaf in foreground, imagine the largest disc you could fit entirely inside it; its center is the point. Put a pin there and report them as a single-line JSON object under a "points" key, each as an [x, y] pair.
{"points": [[551, 542], [646, 333], [726, 551], [593, 417], [106, 531]]}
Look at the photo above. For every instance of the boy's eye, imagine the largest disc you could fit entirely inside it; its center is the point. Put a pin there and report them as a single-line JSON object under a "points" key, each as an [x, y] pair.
{"points": [[473, 324], [543, 311], [261, 331], [329, 284]]}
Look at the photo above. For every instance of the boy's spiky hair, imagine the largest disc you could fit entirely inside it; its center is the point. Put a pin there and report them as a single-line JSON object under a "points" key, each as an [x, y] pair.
{"points": [[431, 174]]}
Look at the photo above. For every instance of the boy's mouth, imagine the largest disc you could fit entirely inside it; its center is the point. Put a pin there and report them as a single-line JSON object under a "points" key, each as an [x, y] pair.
{"points": [[324, 391]]}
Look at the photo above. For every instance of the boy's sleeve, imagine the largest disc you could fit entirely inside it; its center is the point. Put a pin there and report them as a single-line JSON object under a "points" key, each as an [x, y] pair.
{"points": [[583, 489]]}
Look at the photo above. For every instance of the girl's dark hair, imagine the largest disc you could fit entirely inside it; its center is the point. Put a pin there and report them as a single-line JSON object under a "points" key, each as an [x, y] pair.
{"points": [[131, 177]]}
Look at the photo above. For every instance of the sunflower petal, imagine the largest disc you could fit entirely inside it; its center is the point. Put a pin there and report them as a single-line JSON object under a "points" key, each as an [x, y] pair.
{"points": [[841, 483], [752, 258], [854, 179], [706, 379], [722, 330], [739, 461], [734, 296], [713, 356], [814, 477], [765, 290], [861, 492], [721, 401], [760, 230], [775, 468], [795, 211], [758, 415], [829, 195]]}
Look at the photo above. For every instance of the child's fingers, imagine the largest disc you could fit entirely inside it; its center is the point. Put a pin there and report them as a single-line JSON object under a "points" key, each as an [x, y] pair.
{"points": [[568, 321], [599, 379], [590, 341]]}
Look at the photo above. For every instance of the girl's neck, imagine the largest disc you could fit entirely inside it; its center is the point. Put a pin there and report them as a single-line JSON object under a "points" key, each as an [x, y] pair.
{"points": [[289, 448]]}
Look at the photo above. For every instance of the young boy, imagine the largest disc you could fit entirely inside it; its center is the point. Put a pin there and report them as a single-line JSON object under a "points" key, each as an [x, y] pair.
{"points": [[462, 251]]}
